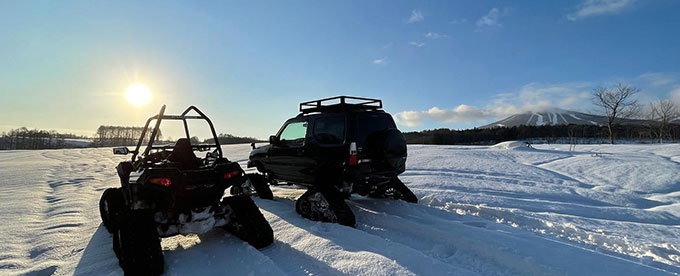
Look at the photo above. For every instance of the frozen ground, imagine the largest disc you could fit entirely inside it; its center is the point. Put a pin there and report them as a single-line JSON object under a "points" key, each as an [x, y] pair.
{"points": [[601, 210]]}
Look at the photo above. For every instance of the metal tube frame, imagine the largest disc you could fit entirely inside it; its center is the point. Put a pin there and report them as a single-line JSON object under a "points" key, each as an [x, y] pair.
{"points": [[160, 117]]}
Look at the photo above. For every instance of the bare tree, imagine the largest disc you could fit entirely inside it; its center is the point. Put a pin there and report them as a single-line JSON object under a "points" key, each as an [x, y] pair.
{"points": [[662, 113], [616, 103], [571, 131]]}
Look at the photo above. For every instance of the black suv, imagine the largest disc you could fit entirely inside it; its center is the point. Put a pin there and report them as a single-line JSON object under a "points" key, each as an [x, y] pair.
{"points": [[335, 147], [169, 191]]}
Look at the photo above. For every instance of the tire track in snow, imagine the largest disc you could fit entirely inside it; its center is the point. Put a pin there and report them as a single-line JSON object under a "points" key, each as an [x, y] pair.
{"points": [[508, 248], [407, 221], [327, 248]]}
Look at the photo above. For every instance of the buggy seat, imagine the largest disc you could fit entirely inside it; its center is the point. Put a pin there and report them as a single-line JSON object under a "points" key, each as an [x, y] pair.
{"points": [[183, 154]]}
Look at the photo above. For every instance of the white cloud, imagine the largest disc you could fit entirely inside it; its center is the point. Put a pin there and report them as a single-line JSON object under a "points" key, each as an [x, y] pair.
{"points": [[408, 118], [379, 60], [417, 44], [530, 97], [659, 79], [416, 16], [461, 112], [675, 96], [458, 21], [599, 7], [432, 35], [491, 19]]}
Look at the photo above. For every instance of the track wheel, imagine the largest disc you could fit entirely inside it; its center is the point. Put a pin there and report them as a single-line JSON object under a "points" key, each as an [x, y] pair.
{"points": [[395, 190], [325, 206], [110, 207], [137, 245], [247, 222], [256, 184]]}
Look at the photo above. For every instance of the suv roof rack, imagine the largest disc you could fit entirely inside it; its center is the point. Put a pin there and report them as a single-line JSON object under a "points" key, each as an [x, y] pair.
{"points": [[340, 103]]}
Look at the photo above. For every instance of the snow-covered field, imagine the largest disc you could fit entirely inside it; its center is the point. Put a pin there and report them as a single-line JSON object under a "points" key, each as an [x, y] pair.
{"points": [[601, 210]]}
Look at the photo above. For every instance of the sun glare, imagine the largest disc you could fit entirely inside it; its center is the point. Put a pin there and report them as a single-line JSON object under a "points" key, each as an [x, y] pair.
{"points": [[138, 94]]}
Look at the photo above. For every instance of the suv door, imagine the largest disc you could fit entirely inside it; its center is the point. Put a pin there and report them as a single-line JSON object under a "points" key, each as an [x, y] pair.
{"points": [[286, 157], [327, 147]]}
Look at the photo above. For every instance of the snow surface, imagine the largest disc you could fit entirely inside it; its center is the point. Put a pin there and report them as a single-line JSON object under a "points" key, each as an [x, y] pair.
{"points": [[503, 210]]}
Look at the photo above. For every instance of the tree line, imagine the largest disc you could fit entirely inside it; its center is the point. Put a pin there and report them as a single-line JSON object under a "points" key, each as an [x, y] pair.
{"points": [[569, 134], [105, 136], [226, 139], [24, 138], [108, 136]]}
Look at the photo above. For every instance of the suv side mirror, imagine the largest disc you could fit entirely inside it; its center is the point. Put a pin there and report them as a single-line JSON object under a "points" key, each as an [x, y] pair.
{"points": [[273, 140], [121, 150]]}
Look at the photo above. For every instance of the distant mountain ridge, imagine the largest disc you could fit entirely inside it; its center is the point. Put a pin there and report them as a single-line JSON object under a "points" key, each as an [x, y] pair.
{"points": [[555, 116]]}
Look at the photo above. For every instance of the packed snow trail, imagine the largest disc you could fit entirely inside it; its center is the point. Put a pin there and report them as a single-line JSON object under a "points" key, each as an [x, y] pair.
{"points": [[503, 210]]}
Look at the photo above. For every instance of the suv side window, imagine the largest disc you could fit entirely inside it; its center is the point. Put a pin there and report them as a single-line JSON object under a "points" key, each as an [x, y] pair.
{"points": [[330, 130], [294, 133]]}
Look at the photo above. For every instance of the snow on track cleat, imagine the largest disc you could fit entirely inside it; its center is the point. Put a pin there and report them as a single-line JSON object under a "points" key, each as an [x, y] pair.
{"points": [[318, 206], [255, 185], [395, 190]]}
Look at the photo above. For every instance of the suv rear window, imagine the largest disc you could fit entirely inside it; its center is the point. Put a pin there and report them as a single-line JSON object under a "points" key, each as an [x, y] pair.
{"points": [[368, 123], [330, 130]]}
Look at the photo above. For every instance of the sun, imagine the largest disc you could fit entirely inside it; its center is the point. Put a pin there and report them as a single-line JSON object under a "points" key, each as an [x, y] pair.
{"points": [[138, 94]]}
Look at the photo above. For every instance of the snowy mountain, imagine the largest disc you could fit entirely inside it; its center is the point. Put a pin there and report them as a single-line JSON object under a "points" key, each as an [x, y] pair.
{"points": [[501, 210], [549, 117], [556, 116]]}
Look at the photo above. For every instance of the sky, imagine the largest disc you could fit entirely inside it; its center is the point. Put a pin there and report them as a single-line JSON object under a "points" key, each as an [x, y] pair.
{"points": [[65, 65]]}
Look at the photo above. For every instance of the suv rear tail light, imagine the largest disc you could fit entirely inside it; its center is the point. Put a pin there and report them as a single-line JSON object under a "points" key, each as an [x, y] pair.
{"points": [[161, 181], [232, 174], [353, 156]]}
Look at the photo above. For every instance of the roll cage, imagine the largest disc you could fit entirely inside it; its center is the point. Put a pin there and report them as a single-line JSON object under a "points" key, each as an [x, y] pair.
{"points": [[183, 117]]}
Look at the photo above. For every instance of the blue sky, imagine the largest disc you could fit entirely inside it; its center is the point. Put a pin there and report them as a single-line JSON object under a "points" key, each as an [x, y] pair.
{"points": [[247, 64]]}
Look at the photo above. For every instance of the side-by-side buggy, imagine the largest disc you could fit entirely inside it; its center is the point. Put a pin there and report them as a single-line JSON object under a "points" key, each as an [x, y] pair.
{"points": [[167, 190]]}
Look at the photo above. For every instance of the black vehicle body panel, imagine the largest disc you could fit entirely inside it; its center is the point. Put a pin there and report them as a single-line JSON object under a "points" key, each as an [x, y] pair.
{"points": [[189, 189], [318, 163]]}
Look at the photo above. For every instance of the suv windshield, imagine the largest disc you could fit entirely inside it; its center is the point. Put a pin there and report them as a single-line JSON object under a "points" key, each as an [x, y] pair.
{"points": [[368, 123]]}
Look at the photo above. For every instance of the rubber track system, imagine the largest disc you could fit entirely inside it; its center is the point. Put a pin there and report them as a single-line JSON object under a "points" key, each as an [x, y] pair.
{"points": [[137, 245], [256, 184], [395, 190], [247, 222], [326, 206], [110, 207]]}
